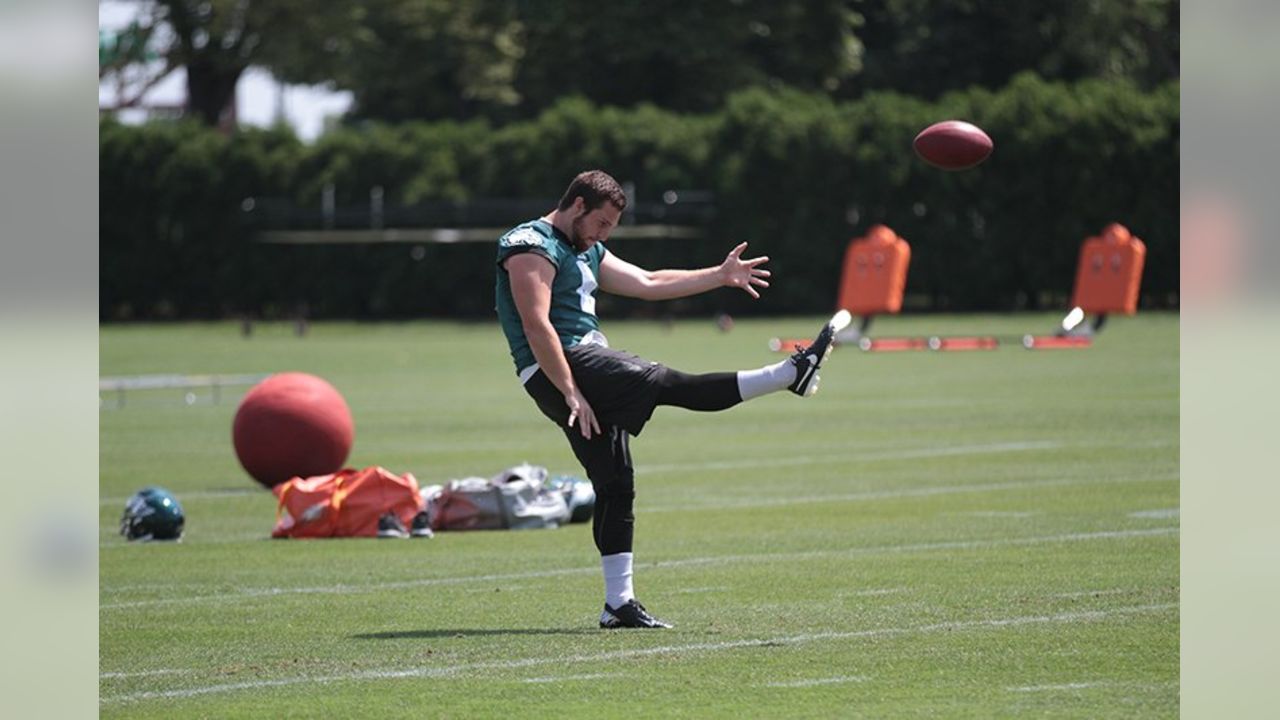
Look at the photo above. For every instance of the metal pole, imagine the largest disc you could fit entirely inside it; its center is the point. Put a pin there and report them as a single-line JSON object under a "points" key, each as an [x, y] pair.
{"points": [[327, 205], [375, 207]]}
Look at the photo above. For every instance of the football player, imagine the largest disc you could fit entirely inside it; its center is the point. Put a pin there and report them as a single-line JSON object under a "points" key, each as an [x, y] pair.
{"points": [[548, 272]]}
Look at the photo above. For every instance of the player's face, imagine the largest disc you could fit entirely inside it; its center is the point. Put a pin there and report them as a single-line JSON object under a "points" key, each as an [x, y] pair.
{"points": [[594, 226]]}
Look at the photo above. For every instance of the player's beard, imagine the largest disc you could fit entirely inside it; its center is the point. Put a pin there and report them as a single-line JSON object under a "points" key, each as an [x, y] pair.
{"points": [[576, 237]]}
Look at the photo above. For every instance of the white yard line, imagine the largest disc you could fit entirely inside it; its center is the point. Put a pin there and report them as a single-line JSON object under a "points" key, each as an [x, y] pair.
{"points": [[1090, 593], [1062, 686], [468, 670], [907, 454], [930, 491], [819, 681], [257, 491], [342, 589], [570, 678], [140, 673], [1166, 514], [1057, 687], [873, 592], [919, 547]]}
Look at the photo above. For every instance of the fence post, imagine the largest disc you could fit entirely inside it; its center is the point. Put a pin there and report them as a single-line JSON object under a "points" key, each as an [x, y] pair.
{"points": [[375, 207], [327, 205]]}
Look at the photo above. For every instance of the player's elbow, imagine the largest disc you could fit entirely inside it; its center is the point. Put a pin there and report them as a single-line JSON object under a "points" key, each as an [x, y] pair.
{"points": [[648, 286]]}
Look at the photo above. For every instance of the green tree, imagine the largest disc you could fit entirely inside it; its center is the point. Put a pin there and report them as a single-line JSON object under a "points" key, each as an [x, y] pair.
{"points": [[215, 41], [507, 59], [681, 55], [510, 59], [415, 59], [927, 47]]}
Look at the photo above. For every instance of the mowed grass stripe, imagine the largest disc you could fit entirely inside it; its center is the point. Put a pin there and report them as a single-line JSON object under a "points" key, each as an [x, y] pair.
{"points": [[927, 491], [1088, 685], [346, 589], [861, 496], [468, 668], [913, 453], [907, 454]]}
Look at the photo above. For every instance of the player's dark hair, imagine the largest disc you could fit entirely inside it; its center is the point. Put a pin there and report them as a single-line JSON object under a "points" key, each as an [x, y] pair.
{"points": [[595, 187]]}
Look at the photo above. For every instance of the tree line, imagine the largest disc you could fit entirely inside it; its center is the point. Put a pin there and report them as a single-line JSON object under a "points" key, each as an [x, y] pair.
{"points": [[796, 173], [508, 60]]}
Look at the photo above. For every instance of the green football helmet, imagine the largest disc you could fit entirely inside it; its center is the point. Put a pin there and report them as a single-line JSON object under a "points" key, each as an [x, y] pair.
{"points": [[152, 513]]}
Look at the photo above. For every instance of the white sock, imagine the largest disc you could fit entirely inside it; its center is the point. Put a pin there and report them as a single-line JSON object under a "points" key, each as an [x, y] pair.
{"points": [[770, 378], [617, 579]]}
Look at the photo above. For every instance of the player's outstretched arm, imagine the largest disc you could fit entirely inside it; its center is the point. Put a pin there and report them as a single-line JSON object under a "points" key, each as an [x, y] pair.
{"points": [[620, 277]]}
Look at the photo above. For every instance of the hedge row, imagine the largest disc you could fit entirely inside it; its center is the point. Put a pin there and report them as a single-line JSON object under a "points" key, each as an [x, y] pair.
{"points": [[796, 174]]}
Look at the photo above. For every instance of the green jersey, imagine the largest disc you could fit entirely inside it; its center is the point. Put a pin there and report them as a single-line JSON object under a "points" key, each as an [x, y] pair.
{"points": [[573, 301]]}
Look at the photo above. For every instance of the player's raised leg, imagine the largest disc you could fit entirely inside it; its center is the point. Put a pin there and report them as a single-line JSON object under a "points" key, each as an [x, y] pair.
{"points": [[719, 391]]}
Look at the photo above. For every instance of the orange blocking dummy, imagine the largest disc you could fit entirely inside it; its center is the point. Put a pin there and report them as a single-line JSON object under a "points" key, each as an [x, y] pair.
{"points": [[1110, 272], [875, 273], [347, 503]]}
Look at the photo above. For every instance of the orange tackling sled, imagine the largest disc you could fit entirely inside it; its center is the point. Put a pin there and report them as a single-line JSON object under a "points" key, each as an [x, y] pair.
{"points": [[874, 276], [1108, 278], [874, 273]]}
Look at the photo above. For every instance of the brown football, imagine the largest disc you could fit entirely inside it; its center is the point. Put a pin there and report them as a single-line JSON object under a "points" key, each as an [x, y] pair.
{"points": [[953, 145]]}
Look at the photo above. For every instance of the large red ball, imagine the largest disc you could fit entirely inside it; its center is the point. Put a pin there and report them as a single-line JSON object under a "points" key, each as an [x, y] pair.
{"points": [[953, 145], [292, 424]]}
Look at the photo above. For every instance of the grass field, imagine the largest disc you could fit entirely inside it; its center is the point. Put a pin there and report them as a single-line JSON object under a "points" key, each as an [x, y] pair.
{"points": [[989, 534]]}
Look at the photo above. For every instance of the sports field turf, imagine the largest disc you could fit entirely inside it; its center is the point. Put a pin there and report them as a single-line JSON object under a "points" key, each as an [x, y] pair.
{"points": [[985, 534]]}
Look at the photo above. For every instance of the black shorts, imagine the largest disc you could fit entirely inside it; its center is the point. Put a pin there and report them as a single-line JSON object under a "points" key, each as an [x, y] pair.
{"points": [[621, 388]]}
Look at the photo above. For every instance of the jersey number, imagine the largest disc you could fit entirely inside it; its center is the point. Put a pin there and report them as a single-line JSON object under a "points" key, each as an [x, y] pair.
{"points": [[587, 290]]}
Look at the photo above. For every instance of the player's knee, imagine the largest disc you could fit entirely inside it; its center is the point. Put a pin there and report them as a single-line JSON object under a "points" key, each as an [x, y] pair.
{"points": [[671, 378], [610, 478], [615, 485]]}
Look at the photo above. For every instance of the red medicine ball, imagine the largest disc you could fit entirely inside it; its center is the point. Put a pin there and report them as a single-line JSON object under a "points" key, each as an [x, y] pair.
{"points": [[292, 424]]}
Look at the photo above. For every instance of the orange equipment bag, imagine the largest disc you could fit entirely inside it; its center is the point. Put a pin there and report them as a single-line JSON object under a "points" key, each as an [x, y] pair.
{"points": [[1110, 272], [347, 503], [875, 273]]}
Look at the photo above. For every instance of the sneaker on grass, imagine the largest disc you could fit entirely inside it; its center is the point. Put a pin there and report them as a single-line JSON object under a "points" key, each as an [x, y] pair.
{"points": [[389, 526], [630, 614], [421, 527]]}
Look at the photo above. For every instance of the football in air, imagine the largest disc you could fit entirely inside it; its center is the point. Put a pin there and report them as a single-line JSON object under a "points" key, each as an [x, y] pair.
{"points": [[953, 145]]}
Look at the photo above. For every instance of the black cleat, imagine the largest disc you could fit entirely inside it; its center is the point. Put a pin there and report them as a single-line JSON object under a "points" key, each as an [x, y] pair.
{"points": [[389, 526], [630, 614], [809, 359], [421, 527]]}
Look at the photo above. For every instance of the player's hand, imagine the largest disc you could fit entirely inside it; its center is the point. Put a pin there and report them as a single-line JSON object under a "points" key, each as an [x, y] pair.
{"points": [[580, 412], [744, 274]]}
